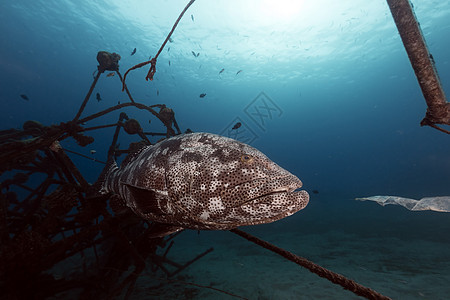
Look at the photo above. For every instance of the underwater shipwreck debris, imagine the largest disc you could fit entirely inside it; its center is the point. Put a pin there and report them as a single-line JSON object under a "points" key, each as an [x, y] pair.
{"points": [[63, 218], [152, 70], [108, 61], [422, 61], [441, 204]]}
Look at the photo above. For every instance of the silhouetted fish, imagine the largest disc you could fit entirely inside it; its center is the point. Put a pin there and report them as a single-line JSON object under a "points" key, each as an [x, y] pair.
{"points": [[157, 92], [110, 74], [221, 71], [236, 126], [202, 95], [24, 97], [134, 51], [315, 191], [170, 40], [98, 97], [238, 72], [192, 17]]}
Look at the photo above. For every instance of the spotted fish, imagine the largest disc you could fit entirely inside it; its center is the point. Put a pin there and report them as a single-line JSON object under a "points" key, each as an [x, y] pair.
{"points": [[205, 181]]}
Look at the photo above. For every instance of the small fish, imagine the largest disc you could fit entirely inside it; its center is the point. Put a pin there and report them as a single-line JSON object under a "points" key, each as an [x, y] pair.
{"points": [[202, 95], [197, 54], [221, 71], [110, 74], [134, 51], [192, 17], [93, 151], [170, 40], [157, 92], [203, 181], [315, 191], [169, 62], [83, 123], [24, 97], [236, 126], [98, 97], [168, 49], [118, 102], [238, 72]]}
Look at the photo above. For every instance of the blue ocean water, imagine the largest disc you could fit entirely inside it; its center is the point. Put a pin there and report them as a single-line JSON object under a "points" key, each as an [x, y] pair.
{"points": [[324, 88]]}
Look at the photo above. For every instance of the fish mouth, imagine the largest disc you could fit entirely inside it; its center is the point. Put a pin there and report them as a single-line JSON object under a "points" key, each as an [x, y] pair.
{"points": [[274, 206], [259, 190], [272, 200], [265, 196]]}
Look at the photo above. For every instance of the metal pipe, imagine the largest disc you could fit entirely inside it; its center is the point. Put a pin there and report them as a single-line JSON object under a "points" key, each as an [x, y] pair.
{"points": [[422, 61]]}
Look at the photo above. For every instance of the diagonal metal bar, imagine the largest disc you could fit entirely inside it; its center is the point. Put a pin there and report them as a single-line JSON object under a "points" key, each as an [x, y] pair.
{"points": [[422, 61]]}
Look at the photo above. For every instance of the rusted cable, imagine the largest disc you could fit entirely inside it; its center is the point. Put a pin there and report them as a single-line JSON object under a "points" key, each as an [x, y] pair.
{"points": [[67, 163], [152, 61], [335, 278], [203, 286], [88, 95], [187, 264], [85, 156], [119, 106], [126, 89], [97, 127], [170, 131], [422, 61]]}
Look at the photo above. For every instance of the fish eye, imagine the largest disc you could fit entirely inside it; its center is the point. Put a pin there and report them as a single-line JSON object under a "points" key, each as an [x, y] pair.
{"points": [[246, 158]]}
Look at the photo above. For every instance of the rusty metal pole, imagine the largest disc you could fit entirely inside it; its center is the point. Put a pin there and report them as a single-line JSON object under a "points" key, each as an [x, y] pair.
{"points": [[438, 111]]}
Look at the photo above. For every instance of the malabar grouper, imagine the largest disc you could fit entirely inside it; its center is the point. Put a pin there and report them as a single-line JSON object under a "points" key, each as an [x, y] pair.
{"points": [[204, 181]]}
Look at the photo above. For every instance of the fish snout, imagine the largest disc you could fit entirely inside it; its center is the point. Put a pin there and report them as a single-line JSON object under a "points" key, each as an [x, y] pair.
{"points": [[259, 188], [274, 206]]}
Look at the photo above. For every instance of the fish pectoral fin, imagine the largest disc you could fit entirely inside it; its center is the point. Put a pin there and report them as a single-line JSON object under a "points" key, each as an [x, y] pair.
{"points": [[147, 201], [161, 230]]}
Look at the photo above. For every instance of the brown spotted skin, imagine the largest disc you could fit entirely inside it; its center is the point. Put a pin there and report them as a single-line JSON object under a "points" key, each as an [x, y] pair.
{"points": [[206, 181]]}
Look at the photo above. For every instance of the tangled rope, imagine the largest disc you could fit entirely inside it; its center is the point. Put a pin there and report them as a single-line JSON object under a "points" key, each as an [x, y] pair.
{"points": [[152, 70]]}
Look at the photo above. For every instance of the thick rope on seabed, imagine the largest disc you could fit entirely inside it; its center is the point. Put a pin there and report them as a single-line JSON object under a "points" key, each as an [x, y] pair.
{"points": [[336, 278]]}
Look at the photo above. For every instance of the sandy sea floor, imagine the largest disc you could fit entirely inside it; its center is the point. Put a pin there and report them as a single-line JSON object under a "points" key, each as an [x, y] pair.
{"points": [[398, 253]]}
